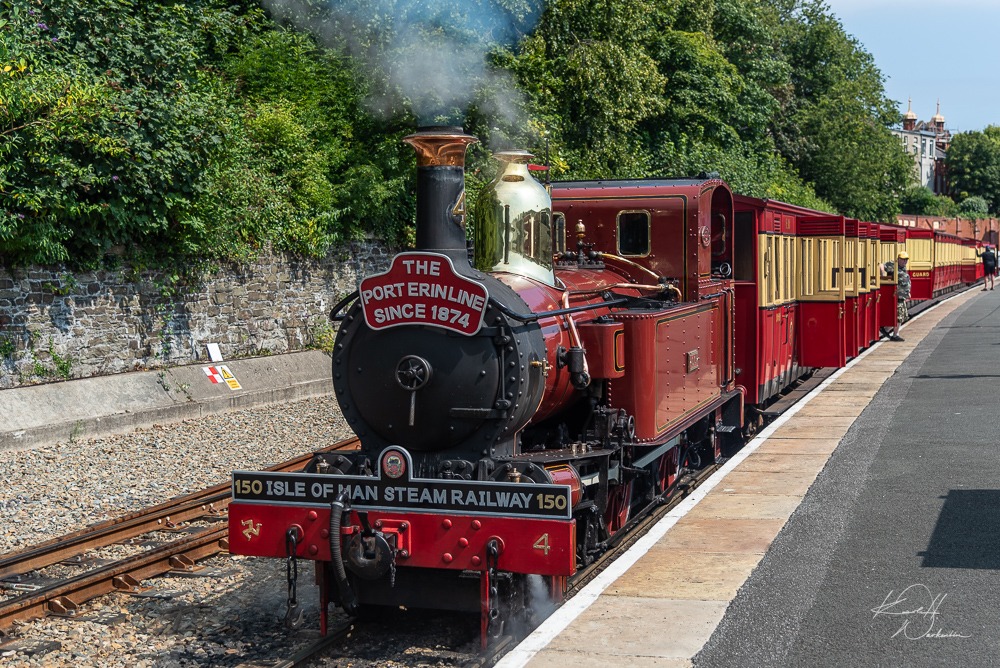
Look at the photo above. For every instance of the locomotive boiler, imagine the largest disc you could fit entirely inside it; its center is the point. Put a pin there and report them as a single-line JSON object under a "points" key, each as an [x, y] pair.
{"points": [[515, 404]]}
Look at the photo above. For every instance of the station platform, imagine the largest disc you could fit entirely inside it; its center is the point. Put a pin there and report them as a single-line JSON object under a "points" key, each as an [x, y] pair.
{"points": [[861, 528]]}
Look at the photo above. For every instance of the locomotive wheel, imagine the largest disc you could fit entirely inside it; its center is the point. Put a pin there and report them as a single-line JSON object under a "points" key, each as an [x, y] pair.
{"points": [[619, 507], [753, 426], [666, 473]]}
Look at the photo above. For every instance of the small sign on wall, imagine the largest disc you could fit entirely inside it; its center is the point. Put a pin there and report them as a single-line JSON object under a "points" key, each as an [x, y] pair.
{"points": [[214, 353], [222, 374]]}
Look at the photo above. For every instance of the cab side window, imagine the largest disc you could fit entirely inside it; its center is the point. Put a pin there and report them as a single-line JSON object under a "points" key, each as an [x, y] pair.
{"points": [[633, 233]]}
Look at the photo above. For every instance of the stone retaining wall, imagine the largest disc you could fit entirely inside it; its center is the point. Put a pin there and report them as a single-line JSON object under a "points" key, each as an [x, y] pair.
{"points": [[56, 325]]}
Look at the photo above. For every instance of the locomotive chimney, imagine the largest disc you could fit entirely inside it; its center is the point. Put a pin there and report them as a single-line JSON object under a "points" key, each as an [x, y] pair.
{"points": [[441, 190]]}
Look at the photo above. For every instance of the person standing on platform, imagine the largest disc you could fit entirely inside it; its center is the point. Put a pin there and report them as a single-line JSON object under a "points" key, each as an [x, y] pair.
{"points": [[989, 266], [902, 294]]}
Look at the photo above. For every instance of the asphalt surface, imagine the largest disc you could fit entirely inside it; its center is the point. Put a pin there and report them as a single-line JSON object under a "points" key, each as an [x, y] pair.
{"points": [[893, 558]]}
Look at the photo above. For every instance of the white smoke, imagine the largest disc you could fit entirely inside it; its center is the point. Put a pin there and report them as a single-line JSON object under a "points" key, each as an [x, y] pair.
{"points": [[427, 55]]}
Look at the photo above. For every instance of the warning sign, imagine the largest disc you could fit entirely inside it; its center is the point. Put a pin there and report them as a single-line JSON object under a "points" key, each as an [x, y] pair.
{"points": [[222, 374]]}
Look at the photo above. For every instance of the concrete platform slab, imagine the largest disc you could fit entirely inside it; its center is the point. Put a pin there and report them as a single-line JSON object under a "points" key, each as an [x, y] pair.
{"points": [[826, 400], [833, 409], [699, 532], [670, 629], [780, 463], [865, 388], [764, 482], [856, 376], [696, 576], [822, 422], [727, 505], [801, 446], [550, 658], [809, 429]]}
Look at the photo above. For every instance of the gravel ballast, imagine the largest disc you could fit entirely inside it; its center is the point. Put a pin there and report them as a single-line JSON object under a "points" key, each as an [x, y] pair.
{"points": [[230, 618]]}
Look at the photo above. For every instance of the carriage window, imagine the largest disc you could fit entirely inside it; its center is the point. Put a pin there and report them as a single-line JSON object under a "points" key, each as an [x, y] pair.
{"points": [[863, 265], [787, 293], [743, 252], [633, 233], [850, 265], [873, 272], [776, 259], [808, 287], [829, 269], [765, 269]]}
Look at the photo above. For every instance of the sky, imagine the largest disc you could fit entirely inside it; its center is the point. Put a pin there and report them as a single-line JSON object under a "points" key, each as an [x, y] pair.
{"points": [[933, 49]]}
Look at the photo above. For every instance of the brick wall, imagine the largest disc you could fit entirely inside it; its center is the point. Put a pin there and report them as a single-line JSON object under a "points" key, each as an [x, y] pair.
{"points": [[56, 324], [984, 229]]}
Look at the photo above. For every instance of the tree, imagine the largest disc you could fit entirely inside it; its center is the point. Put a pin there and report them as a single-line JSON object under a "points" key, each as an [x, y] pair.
{"points": [[184, 131], [835, 127], [974, 166], [974, 207], [921, 201]]}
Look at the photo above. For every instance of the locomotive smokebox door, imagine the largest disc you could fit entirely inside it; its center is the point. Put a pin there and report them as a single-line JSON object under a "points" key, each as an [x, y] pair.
{"points": [[402, 380]]}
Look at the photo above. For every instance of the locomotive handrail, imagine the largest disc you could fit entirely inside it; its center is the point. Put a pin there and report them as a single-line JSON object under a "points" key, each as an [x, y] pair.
{"points": [[533, 317], [341, 305]]}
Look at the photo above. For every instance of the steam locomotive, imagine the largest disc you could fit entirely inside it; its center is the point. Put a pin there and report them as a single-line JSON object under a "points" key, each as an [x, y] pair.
{"points": [[515, 407]]}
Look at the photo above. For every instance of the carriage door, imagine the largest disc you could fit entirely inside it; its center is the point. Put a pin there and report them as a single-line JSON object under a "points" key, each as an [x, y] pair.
{"points": [[822, 325], [891, 243]]}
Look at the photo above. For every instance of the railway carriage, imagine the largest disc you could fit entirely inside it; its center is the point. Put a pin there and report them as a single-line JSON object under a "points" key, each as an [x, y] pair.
{"points": [[920, 247], [947, 273], [972, 264], [935, 262], [872, 278], [823, 339], [767, 273]]}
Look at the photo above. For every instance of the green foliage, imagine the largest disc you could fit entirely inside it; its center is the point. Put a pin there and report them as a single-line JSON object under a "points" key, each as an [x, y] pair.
{"points": [[8, 347], [106, 126], [63, 365], [921, 201], [974, 207], [321, 334], [198, 131], [834, 129], [974, 166]]}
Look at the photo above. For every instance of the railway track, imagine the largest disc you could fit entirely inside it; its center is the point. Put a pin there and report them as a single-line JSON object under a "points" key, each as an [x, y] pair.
{"points": [[64, 596], [306, 655]]}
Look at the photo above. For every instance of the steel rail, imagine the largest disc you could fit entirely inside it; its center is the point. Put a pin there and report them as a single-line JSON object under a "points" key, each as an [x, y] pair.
{"points": [[64, 597], [313, 649], [165, 516]]}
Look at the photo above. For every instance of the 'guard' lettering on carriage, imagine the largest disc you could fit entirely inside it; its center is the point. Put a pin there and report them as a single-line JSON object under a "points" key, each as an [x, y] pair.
{"points": [[423, 289]]}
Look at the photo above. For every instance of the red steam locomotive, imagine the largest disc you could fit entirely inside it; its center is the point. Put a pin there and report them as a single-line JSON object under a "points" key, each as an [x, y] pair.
{"points": [[515, 409]]}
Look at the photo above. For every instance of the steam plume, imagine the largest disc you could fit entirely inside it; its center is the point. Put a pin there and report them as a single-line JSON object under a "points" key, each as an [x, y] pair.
{"points": [[429, 55]]}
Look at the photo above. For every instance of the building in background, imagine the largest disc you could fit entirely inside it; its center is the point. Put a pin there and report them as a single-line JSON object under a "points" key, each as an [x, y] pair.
{"points": [[927, 143]]}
